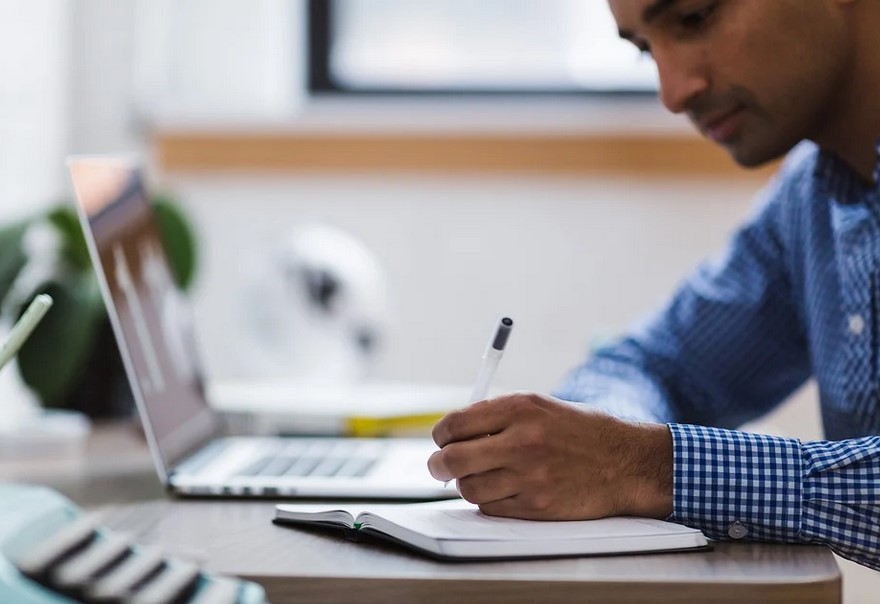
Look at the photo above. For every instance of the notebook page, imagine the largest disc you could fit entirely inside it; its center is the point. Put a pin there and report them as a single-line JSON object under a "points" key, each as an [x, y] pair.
{"points": [[457, 522]]}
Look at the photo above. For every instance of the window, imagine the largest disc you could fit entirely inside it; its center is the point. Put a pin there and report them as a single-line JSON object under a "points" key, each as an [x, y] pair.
{"points": [[472, 46]]}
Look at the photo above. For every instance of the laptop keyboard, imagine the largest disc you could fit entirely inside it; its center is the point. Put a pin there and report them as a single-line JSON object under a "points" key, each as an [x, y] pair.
{"points": [[316, 458]]}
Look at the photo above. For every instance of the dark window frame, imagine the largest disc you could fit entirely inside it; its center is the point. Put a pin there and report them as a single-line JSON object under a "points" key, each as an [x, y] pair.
{"points": [[321, 80]]}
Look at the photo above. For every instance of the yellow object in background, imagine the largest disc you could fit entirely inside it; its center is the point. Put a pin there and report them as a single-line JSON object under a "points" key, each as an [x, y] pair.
{"points": [[362, 409], [419, 424]]}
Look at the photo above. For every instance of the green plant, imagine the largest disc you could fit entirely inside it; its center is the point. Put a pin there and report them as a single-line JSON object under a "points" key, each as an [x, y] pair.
{"points": [[71, 360]]}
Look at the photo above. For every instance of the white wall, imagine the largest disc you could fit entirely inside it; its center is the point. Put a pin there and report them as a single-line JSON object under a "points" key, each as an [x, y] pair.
{"points": [[102, 107], [138, 61], [567, 258], [34, 91], [210, 60]]}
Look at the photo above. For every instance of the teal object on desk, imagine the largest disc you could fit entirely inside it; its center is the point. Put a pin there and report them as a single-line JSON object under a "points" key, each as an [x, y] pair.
{"points": [[48, 545], [27, 516]]}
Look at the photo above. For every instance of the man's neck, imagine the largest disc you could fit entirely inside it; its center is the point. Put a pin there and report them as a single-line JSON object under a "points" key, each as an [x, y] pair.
{"points": [[855, 140], [852, 127]]}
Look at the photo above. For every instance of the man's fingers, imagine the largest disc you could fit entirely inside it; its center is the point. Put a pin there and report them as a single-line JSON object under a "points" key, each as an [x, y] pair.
{"points": [[490, 416], [489, 486], [510, 507], [528, 506], [460, 459], [438, 468]]}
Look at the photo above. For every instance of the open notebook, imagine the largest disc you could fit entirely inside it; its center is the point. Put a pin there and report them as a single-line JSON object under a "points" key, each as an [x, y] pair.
{"points": [[458, 530]]}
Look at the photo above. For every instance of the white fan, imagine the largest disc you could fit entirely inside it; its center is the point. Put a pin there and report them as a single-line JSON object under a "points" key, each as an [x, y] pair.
{"points": [[315, 308]]}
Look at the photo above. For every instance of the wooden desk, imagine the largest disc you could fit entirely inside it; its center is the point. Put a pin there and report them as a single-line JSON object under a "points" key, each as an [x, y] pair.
{"points": [[114, 466], [297, 565]]}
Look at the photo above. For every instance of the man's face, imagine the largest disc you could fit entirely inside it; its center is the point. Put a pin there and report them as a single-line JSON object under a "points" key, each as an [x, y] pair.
{"points": [[755, 76]]}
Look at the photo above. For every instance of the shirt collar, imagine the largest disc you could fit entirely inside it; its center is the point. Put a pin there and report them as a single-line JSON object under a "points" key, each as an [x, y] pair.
{"points": [[838, 180]]}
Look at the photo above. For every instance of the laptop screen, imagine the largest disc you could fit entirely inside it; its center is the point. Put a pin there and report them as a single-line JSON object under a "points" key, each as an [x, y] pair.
{"points": [[151, 319]]}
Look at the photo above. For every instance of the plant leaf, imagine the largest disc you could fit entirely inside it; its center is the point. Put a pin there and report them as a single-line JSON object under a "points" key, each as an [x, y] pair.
{"points": [[60, 348], [178, 240], [64, 218], [12, 257]]}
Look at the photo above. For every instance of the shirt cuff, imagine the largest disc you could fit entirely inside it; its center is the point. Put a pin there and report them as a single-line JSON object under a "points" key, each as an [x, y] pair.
{"points": [[734, 485]]}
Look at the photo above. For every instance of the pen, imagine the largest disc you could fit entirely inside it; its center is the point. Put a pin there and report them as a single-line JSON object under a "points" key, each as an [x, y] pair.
{"points": [[491, 358], [23, 328]]}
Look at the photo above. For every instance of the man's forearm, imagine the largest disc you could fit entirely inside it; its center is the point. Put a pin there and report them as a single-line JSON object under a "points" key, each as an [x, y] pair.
{"points": [[647, 470]]}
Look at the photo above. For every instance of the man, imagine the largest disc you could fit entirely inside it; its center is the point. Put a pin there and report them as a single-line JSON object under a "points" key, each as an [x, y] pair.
{"points": [[796, 294]]}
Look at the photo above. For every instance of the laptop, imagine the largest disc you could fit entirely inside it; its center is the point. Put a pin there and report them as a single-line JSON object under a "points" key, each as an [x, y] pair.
{"points": [[152, 321]]}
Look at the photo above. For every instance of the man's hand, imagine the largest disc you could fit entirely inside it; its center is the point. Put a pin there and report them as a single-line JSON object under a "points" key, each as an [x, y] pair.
{"points": [[531, 456]]}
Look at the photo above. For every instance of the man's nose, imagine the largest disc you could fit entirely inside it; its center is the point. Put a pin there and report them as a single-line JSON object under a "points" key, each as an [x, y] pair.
{"points": [[681, 82]]}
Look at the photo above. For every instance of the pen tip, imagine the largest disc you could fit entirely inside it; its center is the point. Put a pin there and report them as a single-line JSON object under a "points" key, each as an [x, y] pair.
{"points": [[503, 332]]}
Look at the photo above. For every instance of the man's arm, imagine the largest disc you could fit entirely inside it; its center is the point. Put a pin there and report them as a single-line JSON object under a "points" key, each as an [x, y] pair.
{"points": [[530, 456], [737, 485], [729, 345]]}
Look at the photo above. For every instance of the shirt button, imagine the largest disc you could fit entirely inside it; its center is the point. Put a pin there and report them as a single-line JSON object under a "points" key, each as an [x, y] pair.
{"points": [[737, 530], [856, 324]]}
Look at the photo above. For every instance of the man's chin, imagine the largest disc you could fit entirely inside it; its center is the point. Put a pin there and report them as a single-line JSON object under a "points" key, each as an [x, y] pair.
{"points": [[749, 156]]}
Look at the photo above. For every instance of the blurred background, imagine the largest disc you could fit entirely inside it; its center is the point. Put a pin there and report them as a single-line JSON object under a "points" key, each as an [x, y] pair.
{"points": [[488, 155], [482, 158]]}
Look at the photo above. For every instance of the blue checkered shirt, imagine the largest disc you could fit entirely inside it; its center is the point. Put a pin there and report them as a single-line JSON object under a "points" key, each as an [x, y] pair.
{"points": [[796, 294]]}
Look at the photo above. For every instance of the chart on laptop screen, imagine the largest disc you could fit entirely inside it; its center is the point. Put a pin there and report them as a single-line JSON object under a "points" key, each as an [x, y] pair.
{"points": [[153, 318]]}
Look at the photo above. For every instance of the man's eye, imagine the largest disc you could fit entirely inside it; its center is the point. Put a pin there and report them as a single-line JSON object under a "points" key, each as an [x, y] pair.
{"points": [[697, 19]]}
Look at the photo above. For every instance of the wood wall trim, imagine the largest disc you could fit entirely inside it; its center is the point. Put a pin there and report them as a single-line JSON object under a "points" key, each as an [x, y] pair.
{"points": [[658, 155]]}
